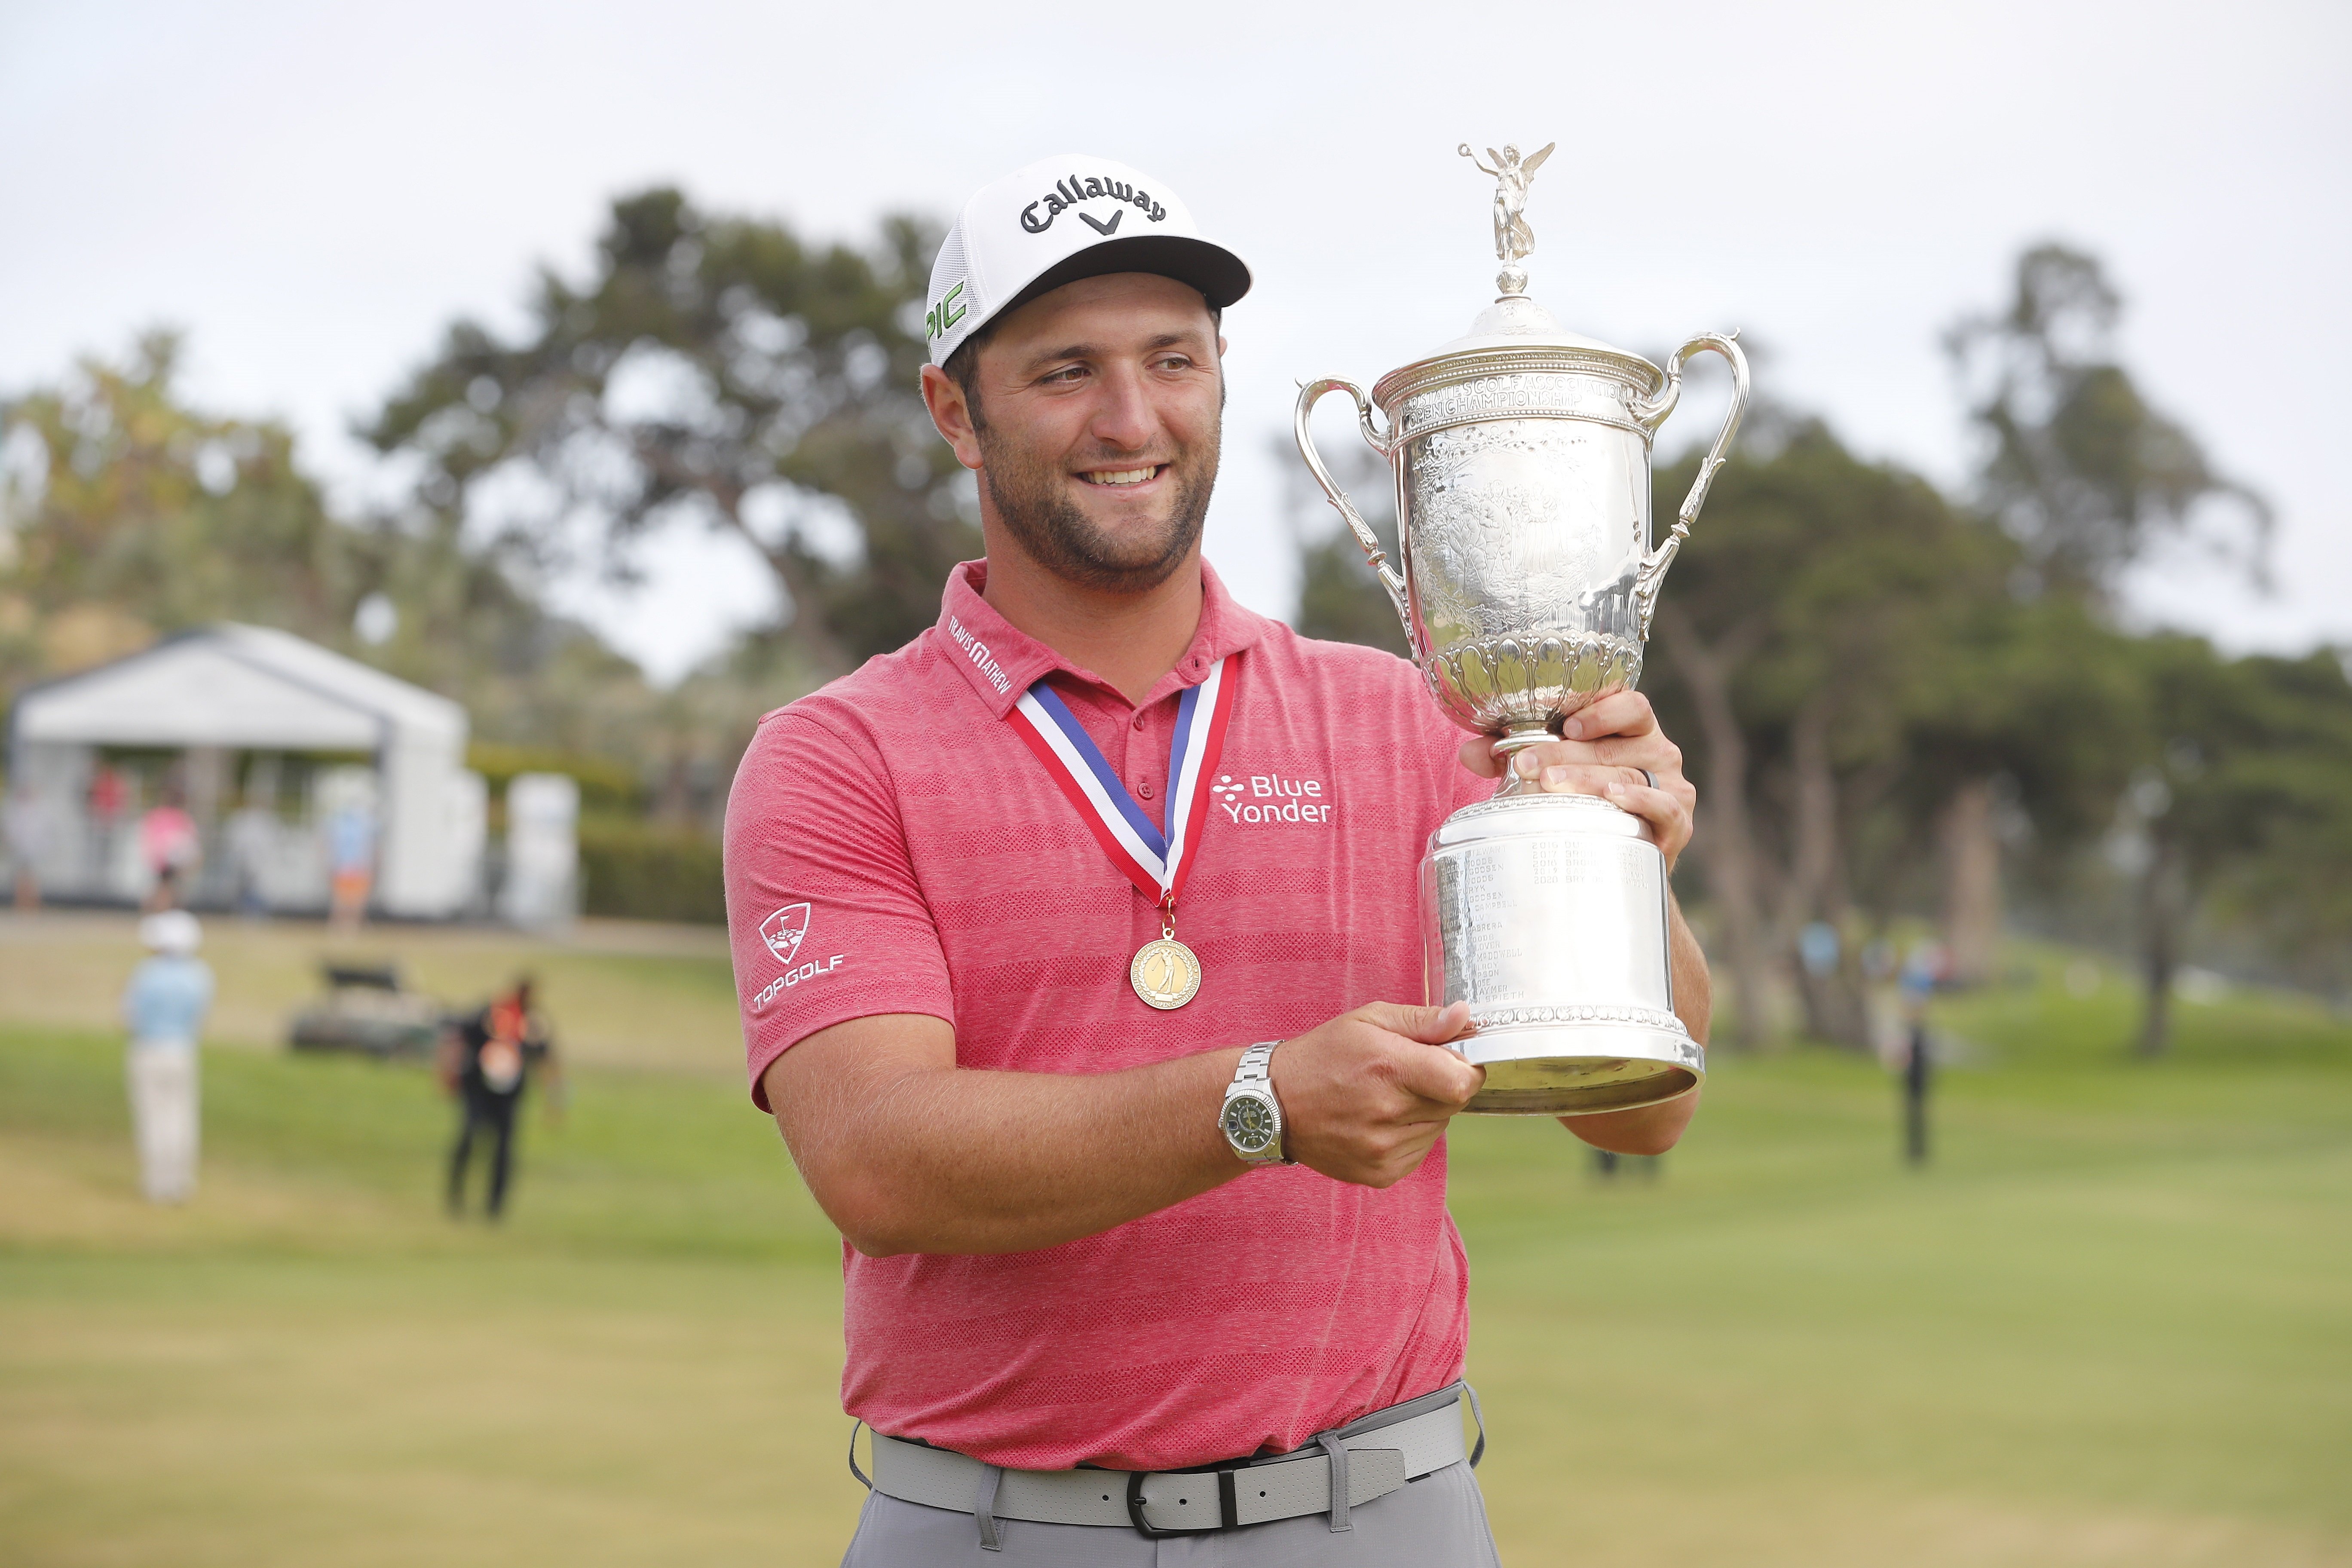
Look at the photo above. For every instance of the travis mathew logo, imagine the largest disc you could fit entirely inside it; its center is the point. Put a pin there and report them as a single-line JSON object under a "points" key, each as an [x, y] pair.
{"points": [[1068, 193], [1270, 797], [784, 929], [981, 659]]}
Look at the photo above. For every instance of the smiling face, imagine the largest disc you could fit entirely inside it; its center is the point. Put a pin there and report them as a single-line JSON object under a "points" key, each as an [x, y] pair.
{"points": [[1093, 420]]}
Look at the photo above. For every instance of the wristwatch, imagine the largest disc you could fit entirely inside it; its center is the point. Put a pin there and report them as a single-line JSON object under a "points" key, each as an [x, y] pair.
{"points": [[1252, 1119]]}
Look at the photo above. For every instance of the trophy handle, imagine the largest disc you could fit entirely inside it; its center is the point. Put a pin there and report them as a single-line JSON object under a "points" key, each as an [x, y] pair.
{"points": [[1653, 414], [1309, 394]]}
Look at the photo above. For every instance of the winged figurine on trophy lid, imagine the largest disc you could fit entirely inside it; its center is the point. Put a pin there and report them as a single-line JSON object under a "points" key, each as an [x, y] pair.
{"points": [[1522, 453], [1513, 240]]}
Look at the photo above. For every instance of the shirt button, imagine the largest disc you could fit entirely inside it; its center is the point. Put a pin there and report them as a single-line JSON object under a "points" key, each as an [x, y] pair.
{"points": [[1139, 721], [1144, 790]]}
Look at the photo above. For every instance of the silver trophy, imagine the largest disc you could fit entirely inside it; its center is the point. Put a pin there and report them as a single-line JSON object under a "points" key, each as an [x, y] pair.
{"points": [[1522, 460]]}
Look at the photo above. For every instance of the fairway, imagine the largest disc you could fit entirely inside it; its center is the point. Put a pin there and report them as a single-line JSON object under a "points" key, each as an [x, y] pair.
{"points": [[2108, 1325]]}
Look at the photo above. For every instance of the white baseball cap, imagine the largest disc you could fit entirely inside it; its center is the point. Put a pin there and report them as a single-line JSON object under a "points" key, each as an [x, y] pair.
{"points": [[171, 931], [1056, 221]]}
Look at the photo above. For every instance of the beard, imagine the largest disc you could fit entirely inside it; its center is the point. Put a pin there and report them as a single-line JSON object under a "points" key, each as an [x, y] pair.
{"points": [[1037, 511]]}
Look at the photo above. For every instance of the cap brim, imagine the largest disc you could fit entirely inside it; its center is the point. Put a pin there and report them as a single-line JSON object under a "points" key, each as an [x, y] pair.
{"points": [[1215, 271]]}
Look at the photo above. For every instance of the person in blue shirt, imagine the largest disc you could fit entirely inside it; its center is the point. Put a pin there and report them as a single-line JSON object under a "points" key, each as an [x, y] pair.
{"points": [[164, 1006]]}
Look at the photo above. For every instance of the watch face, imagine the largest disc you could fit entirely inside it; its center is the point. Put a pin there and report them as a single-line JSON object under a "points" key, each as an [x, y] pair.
{"points": [[1249, 1124]]}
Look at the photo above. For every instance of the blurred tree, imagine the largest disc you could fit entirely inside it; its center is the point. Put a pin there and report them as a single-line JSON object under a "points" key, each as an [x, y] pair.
{"points": [[2087, 475], [1821, 597], [1338, 598], [2078, 465], [2246, 803], [2294, 892], [124, 513], [464, 621], [714, 367], [2029, 721]]}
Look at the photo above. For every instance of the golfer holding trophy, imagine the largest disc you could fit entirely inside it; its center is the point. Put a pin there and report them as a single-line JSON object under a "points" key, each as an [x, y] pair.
{"points": [[1114, 958]]}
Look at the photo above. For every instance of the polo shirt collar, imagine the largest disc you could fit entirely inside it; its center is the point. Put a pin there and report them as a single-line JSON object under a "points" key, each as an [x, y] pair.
{"points": [[1002, 661]]}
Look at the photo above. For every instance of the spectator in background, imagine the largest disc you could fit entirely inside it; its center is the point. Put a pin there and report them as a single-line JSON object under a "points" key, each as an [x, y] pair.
{"points": [[164, 1006], [108, 796], [28, 826], [487, 1061], [251, 833], [172, 850], [351, 862]]}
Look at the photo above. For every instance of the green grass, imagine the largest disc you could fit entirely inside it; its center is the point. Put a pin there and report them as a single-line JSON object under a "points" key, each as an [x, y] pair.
{"points": [[2107, 1325]]}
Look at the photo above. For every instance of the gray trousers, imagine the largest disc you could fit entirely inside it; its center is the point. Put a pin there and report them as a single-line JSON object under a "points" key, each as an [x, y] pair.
{"points": [[1437, 1522]]}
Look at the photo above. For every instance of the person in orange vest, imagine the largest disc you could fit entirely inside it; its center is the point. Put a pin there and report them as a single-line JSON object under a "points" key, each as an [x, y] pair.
{"points": [[486, 1061]]}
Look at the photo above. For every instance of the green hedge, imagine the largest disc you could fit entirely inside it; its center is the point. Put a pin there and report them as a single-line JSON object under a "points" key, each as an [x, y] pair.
{"points": [[639, 871], [605, 786]]}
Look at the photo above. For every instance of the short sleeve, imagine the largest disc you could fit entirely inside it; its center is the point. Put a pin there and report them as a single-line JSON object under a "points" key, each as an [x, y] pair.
{"points": [[824, 914]]}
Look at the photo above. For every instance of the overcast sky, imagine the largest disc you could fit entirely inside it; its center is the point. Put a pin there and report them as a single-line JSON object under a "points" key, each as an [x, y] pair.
{"points": [[314, 190]]}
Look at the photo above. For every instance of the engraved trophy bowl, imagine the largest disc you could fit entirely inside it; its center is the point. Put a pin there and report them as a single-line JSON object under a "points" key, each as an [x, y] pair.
{"points": [[1521, 454]]}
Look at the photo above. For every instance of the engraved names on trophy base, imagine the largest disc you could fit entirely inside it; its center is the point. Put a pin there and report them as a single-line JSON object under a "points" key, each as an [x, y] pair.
{"points": [[1558, 922]]}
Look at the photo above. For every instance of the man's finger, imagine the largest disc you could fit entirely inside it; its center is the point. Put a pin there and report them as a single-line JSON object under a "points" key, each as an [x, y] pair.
{"points": [[1576, 780], [1439, 1077], [1655, 807], [1531, 761], [1430, 1025], [1661, 813], [1477, 754], [1619, 713]]}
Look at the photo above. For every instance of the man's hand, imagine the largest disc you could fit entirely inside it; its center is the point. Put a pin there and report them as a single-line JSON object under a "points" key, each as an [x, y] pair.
{"points": [[1366, 1096], [1603, 752]]}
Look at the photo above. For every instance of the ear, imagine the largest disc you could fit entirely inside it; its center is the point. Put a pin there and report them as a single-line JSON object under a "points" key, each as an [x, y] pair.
{"points": [[950, 415]]}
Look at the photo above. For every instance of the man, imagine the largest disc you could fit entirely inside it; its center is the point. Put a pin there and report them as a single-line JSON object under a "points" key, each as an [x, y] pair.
{"points": [[351, 863], [172, 849], [25, 820], [164, 1006], [1009, 937], [486, 1061]]}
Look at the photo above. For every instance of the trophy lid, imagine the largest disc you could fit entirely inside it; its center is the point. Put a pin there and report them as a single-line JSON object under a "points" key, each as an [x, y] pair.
{"points": [[1515, 333], [1517, 321]]}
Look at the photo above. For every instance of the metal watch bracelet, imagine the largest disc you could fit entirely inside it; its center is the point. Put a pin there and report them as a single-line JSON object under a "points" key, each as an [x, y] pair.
{"points": [[1253, 1078]]}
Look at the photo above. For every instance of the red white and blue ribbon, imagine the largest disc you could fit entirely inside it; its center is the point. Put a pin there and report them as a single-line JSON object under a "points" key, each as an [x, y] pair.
{"points": [[1155, 861]]}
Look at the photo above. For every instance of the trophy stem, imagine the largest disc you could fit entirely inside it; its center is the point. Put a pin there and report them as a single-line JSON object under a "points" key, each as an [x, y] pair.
{"points": [[1510, 743]]}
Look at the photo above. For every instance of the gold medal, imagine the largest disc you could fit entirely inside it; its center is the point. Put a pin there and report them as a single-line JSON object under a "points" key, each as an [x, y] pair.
{"points": [[1165, 973]]}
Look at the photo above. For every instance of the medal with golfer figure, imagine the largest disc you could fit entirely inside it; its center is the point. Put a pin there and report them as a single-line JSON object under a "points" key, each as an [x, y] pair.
{"points": [[1521, 454]]}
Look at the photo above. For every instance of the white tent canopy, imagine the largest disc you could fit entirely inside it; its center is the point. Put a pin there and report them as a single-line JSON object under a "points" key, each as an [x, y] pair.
{"points": [[240, 688]]}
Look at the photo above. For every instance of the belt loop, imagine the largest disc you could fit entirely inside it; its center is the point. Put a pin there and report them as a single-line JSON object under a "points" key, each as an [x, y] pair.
{"points": [[1333, 1445], [864, 1479], [983, 1508], [1479, 1452]]}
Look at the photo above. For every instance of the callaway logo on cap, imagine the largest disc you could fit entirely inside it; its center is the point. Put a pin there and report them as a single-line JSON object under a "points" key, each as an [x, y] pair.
{"points": [[1056, 221]]}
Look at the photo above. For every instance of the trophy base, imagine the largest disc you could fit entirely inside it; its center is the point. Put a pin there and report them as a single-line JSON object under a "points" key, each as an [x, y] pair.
{"points": [[1547, 914], [1577, 1070]]}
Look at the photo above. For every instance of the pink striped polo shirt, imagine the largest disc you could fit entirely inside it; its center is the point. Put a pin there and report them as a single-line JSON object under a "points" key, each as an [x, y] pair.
{"points": [[893, 846]]}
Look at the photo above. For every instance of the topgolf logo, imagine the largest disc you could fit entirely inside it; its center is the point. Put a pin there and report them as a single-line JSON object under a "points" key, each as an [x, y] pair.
{"points": [[784, 929]]}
